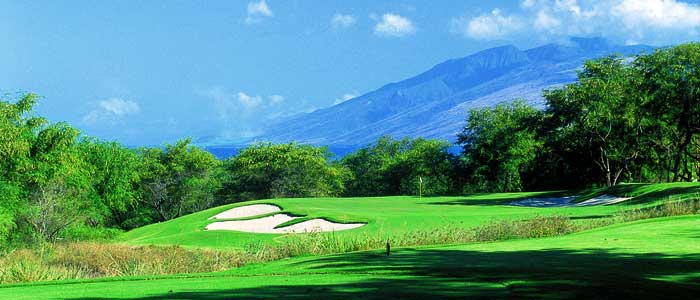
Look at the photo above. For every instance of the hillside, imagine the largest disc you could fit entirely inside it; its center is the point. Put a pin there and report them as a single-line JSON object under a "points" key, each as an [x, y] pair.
{"points": [[394, 216], [434, 104]]}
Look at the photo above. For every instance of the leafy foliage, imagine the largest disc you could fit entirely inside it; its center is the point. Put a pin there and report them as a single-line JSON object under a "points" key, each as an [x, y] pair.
{"points": [[283, 170], [623, 120], [178, 180], [500, 144], [396, 167]]}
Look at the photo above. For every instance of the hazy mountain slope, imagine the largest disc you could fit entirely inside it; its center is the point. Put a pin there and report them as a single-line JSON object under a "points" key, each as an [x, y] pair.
{"points": [[434, 104]]}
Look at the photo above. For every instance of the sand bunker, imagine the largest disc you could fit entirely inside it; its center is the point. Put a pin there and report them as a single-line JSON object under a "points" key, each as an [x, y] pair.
{"points": [[567, 201], [268, 224], [319, 225], [260, 225], [247, 211], [602, 200]]}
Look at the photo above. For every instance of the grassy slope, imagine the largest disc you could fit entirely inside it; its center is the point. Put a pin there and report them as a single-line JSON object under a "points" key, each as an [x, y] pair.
{"points": [[387, 216], [645, 260]]}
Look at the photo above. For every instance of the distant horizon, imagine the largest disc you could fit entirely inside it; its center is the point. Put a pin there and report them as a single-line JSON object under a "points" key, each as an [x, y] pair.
{"points": [[151, 73], [243, 143]]}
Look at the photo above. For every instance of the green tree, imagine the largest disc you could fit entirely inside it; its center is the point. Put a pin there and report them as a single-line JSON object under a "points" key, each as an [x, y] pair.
{"points": [[10, 200], [671, 105], [283, 170], [177, 180], [18, 130], [115, 178], [500, 145], [599, 117], [395, 167], [58, 184]]}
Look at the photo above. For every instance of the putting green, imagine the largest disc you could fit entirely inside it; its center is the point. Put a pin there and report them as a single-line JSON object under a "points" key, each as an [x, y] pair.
{"points": [[648, 259], [388, 216]]}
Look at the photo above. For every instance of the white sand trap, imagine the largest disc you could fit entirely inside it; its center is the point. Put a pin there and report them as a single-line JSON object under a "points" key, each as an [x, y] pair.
{"points": [[602, 200], [567, 201], [544, 202], [319, 225], [268, 224], [260, 225], [247, 211]]}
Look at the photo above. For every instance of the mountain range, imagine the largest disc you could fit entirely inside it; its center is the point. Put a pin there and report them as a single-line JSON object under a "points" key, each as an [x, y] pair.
{"points": [[435, 103]]}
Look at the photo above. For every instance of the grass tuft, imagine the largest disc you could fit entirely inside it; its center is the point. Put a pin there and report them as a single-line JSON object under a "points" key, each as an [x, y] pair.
{"points": [[92, 260]]}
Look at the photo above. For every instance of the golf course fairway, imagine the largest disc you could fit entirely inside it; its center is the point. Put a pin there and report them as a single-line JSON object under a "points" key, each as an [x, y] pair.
{"points": [[647, 259], [391, 216]]}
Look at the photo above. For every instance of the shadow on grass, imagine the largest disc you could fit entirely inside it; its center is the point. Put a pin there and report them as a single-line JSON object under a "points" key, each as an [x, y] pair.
{"points": [[591, 217], [456, 274], [624, 190], [674, 192], [487, 199]]}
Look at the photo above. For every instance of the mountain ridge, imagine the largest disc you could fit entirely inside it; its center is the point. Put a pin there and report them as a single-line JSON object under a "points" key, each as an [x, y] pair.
{"points": [[434, 103]]}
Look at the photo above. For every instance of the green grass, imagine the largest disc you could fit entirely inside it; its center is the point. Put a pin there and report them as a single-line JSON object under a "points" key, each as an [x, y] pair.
{"points": [[646, 192], [647, 259], [392, 216]]}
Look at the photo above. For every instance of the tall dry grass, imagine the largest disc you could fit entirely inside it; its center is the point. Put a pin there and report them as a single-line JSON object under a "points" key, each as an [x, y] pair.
{"points": [[92, 260]]}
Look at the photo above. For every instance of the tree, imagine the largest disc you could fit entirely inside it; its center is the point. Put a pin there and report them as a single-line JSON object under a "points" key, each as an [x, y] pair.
{"points": [[500, 144], [177, 180], [115, 178], [671, 84], [394, 167], [283, 170], [58, 183], [599, 116], [18, 131], [10, 201], [431, 162]]}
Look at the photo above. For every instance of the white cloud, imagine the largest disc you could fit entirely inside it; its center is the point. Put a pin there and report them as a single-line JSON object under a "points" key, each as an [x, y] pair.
{"points": [[345, 97], [342, 21], [249, 101], [111, 110], [393, 25], [528, 3], [642, 21], [229, 105], [546, 22], [257, 12], [276, 99], [120, 107], [657, 13], [493, 25]]}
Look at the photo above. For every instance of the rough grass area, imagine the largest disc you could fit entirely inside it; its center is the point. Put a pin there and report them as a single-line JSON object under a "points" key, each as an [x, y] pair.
{"points": [[648, 259], [93, 260]]}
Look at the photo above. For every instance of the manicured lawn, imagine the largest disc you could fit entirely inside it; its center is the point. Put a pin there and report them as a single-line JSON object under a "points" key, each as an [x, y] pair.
{"points": [[384, 216], [387, 216], [650, 259]]}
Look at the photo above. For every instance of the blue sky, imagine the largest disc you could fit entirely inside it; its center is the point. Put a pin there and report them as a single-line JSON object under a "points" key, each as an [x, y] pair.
{"points": [[148, 72]]}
